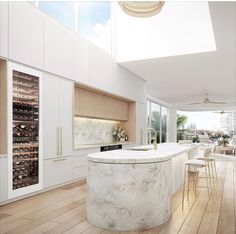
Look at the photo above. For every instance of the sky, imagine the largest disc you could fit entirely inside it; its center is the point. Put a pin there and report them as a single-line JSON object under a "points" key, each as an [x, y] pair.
{"points": [[93, 19], [62, 11], [203, 119]]}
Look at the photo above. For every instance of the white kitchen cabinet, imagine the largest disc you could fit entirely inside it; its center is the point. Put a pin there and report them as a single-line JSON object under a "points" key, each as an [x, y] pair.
{"points": [[81, 60], [58, 49], [100, 69], [3, 178], [4, 29], [79, 173], [25, 34], [50, 115], [79, 161], [57, 116], [57, 171], [79, 165], [66, 88]]}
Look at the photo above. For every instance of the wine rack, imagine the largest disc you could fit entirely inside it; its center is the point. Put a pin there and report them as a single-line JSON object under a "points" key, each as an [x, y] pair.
{"points": [[25, 130]]}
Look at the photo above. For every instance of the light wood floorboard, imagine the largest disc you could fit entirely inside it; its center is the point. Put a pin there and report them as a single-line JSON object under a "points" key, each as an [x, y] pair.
{"points": [[63, 210]]}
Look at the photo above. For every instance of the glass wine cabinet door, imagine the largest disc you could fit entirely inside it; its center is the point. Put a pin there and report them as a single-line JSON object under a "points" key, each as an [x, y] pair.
{"points": [[25, 130]]}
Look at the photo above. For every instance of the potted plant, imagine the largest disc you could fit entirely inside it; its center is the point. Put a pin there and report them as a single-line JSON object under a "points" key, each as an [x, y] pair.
{"points": [[223, 140], [120, 134]]}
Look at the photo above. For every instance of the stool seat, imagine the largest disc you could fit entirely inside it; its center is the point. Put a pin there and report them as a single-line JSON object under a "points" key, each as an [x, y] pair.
{"points": [[204, 158], [196, 162]]}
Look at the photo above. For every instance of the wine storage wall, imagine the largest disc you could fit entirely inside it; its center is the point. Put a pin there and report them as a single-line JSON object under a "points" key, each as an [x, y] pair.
{"points": [[25, 130]]}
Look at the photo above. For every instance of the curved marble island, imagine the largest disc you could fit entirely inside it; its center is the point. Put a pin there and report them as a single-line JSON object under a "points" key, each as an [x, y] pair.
{"points": [[131, 190]]}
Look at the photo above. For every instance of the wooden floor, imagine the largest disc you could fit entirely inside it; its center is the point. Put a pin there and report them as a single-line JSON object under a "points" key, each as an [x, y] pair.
{"points": [[64, 211]]}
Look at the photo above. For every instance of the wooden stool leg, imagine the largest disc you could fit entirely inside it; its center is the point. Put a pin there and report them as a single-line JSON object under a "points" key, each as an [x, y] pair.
{"points": [[216, 177], [183, 187], [212, 176], [196, 183], [188, 182], [207, 176]]}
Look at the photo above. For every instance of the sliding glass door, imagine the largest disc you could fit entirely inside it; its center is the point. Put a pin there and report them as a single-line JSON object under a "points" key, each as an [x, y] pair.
{"points": [[157, 119]]}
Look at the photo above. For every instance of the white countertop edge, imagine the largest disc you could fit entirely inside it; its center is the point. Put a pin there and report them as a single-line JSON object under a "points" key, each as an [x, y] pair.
{"points": [[94, 157], [105, 144]]}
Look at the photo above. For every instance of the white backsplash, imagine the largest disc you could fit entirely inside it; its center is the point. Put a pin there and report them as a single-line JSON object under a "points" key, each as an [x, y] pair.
{"points": [[93, 131]]}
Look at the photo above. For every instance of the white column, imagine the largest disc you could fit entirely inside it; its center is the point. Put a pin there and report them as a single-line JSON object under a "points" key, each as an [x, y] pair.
{"points": [[172, 125]]}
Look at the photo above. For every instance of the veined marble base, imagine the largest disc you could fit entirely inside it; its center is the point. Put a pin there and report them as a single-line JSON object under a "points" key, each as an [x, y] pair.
{"points": [[127, 197]]}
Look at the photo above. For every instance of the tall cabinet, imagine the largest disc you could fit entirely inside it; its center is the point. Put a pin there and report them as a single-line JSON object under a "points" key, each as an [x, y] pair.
{"points": [[24, 134], [57, 125]]}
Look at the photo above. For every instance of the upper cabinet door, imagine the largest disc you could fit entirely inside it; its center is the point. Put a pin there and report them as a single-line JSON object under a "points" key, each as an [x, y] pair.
{"points": [[100, 66], [50, 116], [25, 34], [66, 88], [4, 29], [81, 60], [58, 49]]}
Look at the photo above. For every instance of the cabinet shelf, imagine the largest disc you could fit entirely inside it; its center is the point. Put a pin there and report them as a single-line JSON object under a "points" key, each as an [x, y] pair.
{"points": [[25, 145]]}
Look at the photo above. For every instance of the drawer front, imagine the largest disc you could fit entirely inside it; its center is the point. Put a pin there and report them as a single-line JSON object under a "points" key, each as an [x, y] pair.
{"points": [[79, 173], [3, 179], [124, 146], [82, 152], [79, 161], [57, 171]]}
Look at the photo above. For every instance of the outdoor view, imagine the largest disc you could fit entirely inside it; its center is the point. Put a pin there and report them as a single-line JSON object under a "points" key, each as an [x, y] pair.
{"points": [[205, 126], [157, 119]]}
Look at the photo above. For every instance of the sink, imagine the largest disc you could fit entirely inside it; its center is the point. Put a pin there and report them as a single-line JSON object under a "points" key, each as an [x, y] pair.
{"points": [[142, 148], [136, 149]]}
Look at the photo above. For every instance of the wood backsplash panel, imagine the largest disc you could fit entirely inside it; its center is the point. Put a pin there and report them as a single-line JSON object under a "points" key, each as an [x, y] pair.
{"points": [[96, 105]]}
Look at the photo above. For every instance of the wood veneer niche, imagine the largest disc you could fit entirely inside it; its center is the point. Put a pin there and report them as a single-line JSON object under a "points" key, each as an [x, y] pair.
{"points": [[3, 107], [91, 103]]}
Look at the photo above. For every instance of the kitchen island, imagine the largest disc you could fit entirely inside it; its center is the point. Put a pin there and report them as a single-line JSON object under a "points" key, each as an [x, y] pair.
{"points": [[131, 189]]}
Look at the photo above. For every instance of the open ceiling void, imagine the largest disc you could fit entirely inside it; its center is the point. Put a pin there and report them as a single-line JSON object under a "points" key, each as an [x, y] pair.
{"points": [[179, 80]]}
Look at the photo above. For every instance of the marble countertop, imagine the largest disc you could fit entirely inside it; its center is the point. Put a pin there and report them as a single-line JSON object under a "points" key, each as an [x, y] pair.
{"points": [[105, 144], [164, 152]]}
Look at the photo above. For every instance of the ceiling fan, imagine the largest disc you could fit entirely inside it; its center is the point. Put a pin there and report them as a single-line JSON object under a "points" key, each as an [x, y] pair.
{"points": [[222, 112], [206, 100]]}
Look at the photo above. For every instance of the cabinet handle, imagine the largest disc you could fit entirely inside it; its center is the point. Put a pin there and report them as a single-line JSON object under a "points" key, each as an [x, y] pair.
{"points": [[59, 159], [58, 149], [61, 141]]}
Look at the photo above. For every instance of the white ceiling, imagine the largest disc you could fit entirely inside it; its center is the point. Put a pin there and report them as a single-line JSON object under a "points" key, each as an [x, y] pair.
{"points": [[181, 79]]}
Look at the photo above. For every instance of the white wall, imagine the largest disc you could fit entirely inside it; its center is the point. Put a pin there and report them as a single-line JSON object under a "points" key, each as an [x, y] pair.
{"points": [[141, 117]]}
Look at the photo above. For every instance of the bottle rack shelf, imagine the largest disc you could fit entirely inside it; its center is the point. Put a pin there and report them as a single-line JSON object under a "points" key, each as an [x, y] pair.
{"points": [[25, 130]]}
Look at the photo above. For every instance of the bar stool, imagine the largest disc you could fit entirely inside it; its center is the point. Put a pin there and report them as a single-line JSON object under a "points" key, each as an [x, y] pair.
{"points": [[193, 166], [211, 164]]}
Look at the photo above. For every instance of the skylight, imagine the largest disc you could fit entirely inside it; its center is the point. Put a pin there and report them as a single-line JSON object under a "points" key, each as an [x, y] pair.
{"points": [[180, 28], [94, 23]]}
